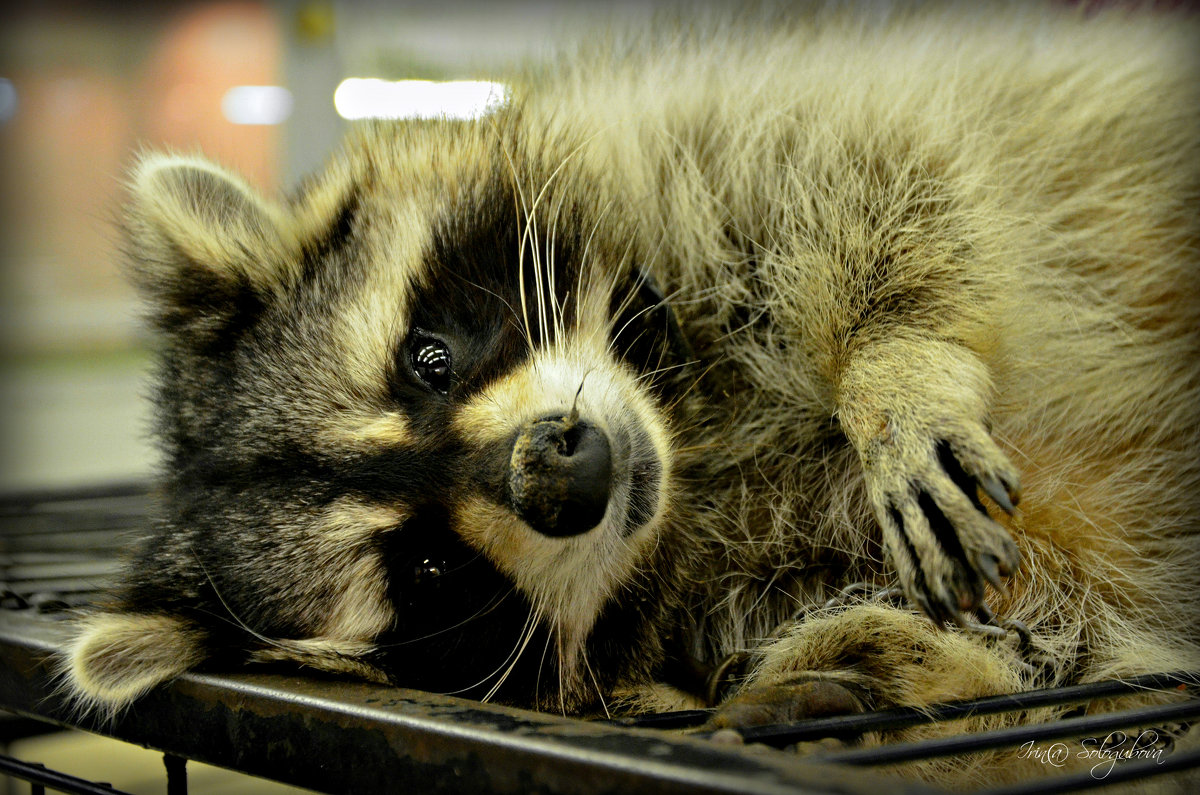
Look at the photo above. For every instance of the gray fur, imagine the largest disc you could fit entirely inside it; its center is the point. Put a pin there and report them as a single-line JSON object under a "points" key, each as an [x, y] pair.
{"points": [[936, 277]]}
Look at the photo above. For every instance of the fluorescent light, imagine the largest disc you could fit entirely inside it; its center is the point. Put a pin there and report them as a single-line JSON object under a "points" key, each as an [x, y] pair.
{"points": [[257, 104], [370, 98], [8, 100]]}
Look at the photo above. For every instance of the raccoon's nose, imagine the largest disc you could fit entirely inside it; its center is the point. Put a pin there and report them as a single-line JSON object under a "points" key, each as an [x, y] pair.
{"points": [[559, 475]]}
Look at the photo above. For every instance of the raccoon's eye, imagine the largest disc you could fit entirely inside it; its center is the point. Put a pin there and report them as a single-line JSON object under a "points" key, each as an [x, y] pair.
{"points": [[431, 362], [426, 570]]}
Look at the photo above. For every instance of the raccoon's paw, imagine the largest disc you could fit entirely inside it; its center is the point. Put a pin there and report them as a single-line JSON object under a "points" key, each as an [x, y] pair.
{"points": [[926, 487], [785, 702], [796, 699]]}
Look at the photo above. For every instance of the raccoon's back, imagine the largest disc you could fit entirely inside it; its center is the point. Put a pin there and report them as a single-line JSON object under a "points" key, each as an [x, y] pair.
{"points": [[1049, 152], [1053, 150]]}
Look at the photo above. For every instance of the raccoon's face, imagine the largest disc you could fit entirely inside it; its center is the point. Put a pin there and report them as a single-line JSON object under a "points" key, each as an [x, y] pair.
{"points": [[409, 429]]}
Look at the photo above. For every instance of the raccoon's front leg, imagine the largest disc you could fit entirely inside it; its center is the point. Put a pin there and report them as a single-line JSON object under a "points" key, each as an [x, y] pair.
{"points": [[915, 410]]}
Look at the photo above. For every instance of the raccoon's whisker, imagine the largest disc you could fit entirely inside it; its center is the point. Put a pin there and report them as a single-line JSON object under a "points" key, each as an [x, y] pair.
{"points": [[522, 247], [551, 250], [555, 308], [234, 621], [573, 417], [695, 383], [584, 264], [566, 159], [649, 374], [695, 296], [497, 669], [492, 293], [657, 371], [625, 325], [538, 285], [523, 207], [662, 352], [529, 243], [544, 273], [547, 290], [596, 684], [523, 639], [537, 682], [543, 280], [562, 314], [698, 448], [521, 287], [631, 295], [616, 271], [492, 604], [233, 617], [562, 701], [535, 617]]}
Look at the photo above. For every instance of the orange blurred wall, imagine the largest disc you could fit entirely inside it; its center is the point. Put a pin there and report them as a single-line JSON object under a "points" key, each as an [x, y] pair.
{"points": [[94, 84]]}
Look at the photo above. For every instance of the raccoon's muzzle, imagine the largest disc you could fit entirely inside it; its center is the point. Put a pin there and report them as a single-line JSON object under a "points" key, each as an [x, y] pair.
{"points": [[559, 476]]}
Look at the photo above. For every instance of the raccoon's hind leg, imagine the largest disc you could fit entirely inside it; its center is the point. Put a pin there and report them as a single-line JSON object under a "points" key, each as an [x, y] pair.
{"points": [[916, 411], [875, 656], [114, 658]]}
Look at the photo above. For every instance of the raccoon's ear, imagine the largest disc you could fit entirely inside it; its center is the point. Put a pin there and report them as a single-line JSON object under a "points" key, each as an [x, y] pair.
{"points": [[204, 246], [116, 657]]}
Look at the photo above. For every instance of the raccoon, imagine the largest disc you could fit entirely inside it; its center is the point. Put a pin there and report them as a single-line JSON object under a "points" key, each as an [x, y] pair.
{"points": [[655, 386]]}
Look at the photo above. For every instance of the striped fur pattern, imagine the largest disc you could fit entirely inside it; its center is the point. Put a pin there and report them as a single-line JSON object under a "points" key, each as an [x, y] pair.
{"points": [[900, 297]]}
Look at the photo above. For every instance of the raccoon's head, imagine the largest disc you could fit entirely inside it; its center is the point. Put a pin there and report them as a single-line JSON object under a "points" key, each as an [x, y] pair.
{"points": [[410, 428]]}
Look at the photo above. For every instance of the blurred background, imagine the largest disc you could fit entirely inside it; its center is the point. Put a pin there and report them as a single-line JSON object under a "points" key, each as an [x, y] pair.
{"points": [[85, 85]]}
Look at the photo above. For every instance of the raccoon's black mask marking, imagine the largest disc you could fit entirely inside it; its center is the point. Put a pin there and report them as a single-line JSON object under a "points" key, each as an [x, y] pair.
{"points": [[646, 331], [458, 619], [471, 299]]}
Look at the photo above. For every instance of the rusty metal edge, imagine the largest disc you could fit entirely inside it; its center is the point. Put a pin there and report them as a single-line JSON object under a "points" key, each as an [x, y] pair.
{"points": [[338, 736]]}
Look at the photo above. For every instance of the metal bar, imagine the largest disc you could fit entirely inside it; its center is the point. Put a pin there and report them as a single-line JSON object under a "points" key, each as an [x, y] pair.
{"points": [[904, 717], [337, 736], [98, 542], [681, 719], [63, 587], [1089, 725], [176, 774], [63, 569], [1102, 777], [42, 776], [15, 501]]}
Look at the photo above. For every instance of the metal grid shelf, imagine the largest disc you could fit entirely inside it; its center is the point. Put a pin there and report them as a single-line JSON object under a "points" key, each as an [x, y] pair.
{"points": [[58, 550]]}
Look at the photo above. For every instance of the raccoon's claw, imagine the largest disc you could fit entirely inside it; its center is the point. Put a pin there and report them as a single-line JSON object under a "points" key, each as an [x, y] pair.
{"points": [[1034, 662], [971, 471], [1006, 627], [990, 630], [946, 547], [864, 590], [989, 566], [1006, 497]]}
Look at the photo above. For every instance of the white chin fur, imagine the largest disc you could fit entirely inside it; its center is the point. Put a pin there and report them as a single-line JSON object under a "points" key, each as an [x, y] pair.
{"points": [[570, 579]]}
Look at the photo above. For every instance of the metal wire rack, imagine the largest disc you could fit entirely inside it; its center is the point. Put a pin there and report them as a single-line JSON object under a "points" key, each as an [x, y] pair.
{"points": [[59, 549]]}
